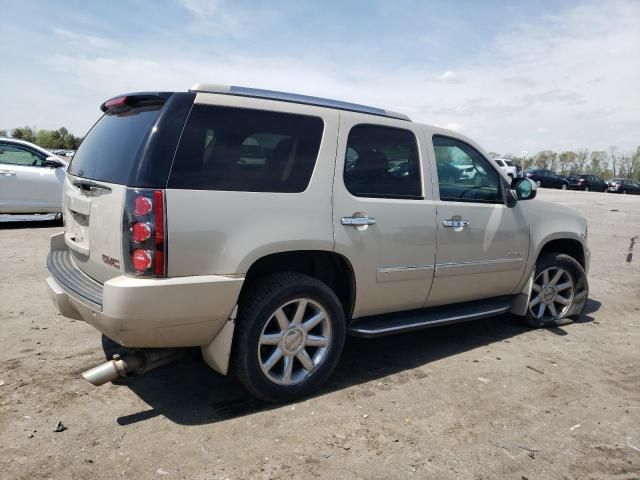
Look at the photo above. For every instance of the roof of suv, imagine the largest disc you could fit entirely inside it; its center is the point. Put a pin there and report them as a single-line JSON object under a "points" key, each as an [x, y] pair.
{"points": [[295, 98]]}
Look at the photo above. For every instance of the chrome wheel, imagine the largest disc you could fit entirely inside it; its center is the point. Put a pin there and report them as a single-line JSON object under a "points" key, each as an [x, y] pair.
{"points": [[564, 186], [294, 341], [552, 294]]}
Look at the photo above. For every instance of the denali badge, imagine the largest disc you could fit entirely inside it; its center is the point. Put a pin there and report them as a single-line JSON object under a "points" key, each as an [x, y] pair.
{"points": [[113, 262]]}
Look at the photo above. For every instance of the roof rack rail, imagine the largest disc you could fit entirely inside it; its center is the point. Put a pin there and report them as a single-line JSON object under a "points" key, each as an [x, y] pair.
{"points": [[295, 98]]}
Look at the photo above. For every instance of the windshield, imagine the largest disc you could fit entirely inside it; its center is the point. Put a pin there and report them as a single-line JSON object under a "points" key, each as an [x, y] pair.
{"points": [[111, 148]]}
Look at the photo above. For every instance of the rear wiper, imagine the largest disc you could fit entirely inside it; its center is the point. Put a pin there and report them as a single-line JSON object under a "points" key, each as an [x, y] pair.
{"points": [[90, 185]]}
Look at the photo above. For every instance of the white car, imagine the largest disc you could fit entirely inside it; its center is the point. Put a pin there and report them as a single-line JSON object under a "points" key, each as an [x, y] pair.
{"points": [[507, 167], [31, 178]]}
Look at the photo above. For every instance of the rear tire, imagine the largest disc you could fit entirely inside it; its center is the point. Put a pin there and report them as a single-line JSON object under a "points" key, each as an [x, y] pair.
{"points": [[559, 293], [290, 333], [586, 189]]}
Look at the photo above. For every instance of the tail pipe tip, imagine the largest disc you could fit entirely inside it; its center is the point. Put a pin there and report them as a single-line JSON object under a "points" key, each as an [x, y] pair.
{"points": [[137, 361]]}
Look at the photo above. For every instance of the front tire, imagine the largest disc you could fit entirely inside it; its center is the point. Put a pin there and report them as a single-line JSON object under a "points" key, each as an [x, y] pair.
{"points": [[564, 186], [559, 293], [625, 191], [290, 333]]}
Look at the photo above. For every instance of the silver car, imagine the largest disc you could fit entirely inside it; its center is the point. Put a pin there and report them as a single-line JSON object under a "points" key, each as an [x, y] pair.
{"points": [[31, 178]]}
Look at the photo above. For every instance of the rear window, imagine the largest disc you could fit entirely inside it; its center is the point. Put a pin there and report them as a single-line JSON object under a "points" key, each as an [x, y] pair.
{"points": [[111, 148], [239, 149]]}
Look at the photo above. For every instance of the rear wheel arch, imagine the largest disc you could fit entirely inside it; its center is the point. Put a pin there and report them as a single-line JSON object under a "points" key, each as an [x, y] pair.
{"points": [[331, 268]]}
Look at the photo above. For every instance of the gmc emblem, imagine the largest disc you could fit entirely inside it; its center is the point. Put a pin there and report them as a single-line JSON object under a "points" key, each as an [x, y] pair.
{"points": [[112, 262]]}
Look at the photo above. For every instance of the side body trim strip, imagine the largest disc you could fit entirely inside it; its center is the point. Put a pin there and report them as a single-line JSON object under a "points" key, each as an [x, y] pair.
{"points": [[400, 273], [482, 266]]}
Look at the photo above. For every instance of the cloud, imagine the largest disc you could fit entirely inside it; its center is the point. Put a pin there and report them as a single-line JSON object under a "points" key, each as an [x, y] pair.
{"points": [[219, 18], [85, 40], [454, 126], [209, 17], [518, 80], [450, 77], [555, 95]]}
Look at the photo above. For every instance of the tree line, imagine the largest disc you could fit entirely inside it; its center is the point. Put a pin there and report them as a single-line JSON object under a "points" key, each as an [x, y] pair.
{"points": [[610, 163], [49, 139], [606, 164]]}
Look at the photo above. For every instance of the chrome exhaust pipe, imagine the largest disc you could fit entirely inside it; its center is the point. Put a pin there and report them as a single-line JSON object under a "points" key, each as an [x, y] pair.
{"points": [[134, 362]]}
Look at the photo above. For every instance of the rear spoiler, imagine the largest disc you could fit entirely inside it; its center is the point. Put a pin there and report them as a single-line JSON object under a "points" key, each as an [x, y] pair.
{"points": [[135, 100]]}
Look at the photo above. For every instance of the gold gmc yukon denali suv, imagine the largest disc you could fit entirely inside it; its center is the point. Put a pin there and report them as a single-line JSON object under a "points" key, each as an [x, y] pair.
{"points": [[264, 227]]}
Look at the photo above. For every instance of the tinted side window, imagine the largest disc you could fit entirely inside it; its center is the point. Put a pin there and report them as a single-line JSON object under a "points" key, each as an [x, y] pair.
{"points": [[15, 155], [382, 162], [239, 149], [464, 175]]}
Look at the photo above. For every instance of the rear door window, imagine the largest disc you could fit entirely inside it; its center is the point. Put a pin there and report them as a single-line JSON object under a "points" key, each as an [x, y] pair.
{"points": [[382, 162], [240, 149]]}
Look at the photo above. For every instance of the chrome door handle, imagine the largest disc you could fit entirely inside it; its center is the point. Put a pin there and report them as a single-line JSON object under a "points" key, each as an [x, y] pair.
{"points": [[456, 223], [7, 173], [357, 221]]}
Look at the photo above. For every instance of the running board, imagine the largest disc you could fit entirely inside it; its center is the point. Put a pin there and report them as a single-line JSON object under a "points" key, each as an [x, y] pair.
{"points": [[407, 321]]}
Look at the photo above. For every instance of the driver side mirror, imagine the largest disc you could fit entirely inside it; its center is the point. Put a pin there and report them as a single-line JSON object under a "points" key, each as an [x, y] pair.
{"points": [[52, 162], [521, 188]]}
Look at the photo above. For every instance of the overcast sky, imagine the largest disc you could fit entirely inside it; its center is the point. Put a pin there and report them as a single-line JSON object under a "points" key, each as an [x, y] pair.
{"points": [[512, 75]]}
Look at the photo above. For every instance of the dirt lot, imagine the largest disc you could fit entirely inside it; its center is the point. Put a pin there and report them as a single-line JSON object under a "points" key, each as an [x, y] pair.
{"points": [[489, 399]]}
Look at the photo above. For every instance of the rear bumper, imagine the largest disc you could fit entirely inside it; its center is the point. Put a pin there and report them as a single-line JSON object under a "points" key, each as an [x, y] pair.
{"points": [[137, 312]]}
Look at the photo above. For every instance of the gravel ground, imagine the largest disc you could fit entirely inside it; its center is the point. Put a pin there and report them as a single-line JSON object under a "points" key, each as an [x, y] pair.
{"points": [[488, 399]]}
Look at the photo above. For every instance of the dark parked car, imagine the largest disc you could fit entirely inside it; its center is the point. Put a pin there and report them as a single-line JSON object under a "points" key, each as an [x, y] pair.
{"points": [[623, 185], [586, 183], [547, 178]]}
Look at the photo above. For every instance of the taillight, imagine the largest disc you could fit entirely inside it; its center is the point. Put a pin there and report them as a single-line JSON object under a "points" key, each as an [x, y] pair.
{"points": [[114, 103], [142, 205], [141, 260], [140, 232], [581, 180], [144, 242]]}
